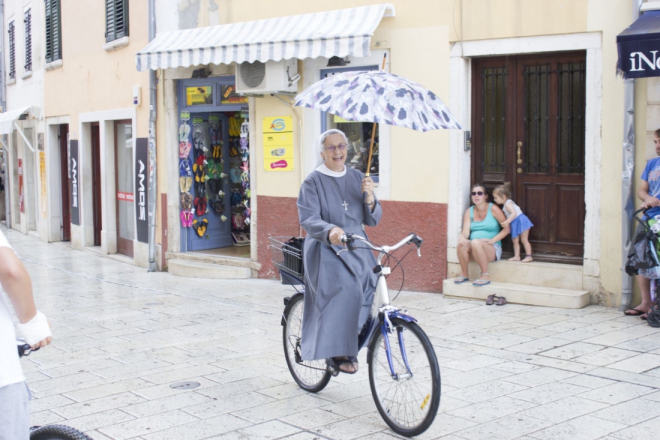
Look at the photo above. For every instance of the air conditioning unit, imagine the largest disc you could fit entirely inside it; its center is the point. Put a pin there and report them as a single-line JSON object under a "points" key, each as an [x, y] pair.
{"points": [[266, 78]]}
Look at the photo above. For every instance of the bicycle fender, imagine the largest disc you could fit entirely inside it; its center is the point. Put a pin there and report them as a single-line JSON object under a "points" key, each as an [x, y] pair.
{"points": [[288, 305], [400, 315]]}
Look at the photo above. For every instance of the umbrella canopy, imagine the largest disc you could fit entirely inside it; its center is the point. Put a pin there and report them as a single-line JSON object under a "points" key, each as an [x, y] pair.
{"points": [[381, 97]]}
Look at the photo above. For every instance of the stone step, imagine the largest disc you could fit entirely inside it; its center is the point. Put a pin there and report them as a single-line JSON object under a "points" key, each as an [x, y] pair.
{"points": [[198, 269], [519, 294], [214, 259], [560, 276]]}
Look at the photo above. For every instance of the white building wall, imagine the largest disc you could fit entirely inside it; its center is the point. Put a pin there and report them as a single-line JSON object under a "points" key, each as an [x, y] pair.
{"points": [[26, 89]]}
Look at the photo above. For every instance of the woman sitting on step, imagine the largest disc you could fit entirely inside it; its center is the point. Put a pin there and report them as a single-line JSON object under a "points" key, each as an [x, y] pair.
{"points": [[480, 238]]}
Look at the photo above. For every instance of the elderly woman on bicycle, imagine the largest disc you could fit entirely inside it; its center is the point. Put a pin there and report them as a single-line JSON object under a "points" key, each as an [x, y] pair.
{"points": [[334, 200]]}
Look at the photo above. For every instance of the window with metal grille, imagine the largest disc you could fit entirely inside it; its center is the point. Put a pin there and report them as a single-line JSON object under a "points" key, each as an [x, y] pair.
{"points": [[116, 19], [53, 31], [28, 40], [12, 50]]}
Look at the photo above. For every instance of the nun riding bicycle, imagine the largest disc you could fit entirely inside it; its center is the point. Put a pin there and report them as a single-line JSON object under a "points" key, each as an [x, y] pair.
{"points": [[345, 305]]}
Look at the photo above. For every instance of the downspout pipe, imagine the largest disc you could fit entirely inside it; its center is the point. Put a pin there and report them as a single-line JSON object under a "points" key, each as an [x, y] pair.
{"points": [[153, 183], [3, 103], [628, 174]]}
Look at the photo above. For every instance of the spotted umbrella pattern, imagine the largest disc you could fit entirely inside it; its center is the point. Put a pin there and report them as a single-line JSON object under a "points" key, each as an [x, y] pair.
{"points": [[377, 96]]}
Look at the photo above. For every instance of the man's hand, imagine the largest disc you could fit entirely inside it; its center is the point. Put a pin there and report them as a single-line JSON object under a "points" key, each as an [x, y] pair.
{"points": [[651, 202], [334, 237]]}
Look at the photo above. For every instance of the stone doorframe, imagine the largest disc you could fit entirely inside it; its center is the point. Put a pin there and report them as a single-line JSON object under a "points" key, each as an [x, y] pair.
{"points": [[460, 86]]}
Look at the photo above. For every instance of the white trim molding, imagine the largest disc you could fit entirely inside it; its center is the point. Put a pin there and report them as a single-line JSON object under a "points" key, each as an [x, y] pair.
{"points": [[116, 44], [460, 85]]}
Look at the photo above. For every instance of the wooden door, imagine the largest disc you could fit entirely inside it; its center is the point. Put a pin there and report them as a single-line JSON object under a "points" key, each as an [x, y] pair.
{"points": [[65, 183], [96, 184], [528, 129]]}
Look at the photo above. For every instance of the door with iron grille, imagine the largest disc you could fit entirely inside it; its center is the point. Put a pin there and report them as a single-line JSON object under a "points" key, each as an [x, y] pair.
{"points": [[529, 129]]}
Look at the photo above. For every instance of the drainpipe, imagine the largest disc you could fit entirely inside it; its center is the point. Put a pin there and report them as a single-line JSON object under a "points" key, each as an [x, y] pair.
{"points": [[152, 147], [3, 103], [627, 189]]}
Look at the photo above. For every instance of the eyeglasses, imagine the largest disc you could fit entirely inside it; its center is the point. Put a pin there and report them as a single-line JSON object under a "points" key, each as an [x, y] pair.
{"points": [[477, 193], [332, 149]]}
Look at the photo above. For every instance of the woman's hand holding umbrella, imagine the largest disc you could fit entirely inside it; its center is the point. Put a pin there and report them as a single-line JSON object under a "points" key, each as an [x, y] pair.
{"points": [[368, 188]]}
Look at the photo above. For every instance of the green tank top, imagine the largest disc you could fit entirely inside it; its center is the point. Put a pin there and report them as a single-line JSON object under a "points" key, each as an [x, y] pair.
{"points": [[487, 228]]}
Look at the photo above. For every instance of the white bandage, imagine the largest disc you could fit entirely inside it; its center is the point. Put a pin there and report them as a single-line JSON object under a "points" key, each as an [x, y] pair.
{"points": [[36, 329]]}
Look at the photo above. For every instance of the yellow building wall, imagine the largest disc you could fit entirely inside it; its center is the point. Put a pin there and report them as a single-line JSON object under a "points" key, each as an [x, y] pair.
{"points": [[90, 78]]}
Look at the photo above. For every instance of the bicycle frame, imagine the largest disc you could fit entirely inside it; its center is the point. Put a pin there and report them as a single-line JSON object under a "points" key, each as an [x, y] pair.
{"points": [[381, 310]]}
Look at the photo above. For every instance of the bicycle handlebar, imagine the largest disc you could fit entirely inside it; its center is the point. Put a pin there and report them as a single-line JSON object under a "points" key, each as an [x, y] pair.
{"points": [[349, 240]]}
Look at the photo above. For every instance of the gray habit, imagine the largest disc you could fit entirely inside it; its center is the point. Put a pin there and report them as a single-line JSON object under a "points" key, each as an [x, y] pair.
{"points": [[338, 288]]}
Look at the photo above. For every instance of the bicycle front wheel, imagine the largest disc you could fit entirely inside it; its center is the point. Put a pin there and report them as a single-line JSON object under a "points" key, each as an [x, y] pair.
{"points": [[408, 400], [311, 376]]}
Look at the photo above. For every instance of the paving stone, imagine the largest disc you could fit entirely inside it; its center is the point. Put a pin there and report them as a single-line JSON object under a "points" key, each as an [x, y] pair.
{"points": [[492, 409], [616, 393], [581, 428], [147, 425], [548, 392], [504, 428], [98, 405], [201, 429], [631, 412], [539, 376], [486, 391], [638, 364], [564, 409]]}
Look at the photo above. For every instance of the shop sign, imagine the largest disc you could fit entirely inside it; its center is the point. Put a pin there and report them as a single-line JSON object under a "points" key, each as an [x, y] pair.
{"points": [[75, 178], [141, 199], [21, 199], [125, 197], [228, 95], [42, 176], [199, 95], [278, 143]]}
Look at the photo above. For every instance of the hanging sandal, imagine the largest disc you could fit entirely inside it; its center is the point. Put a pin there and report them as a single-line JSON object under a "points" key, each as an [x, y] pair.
{"points": [[491, 300], [479, 282]]}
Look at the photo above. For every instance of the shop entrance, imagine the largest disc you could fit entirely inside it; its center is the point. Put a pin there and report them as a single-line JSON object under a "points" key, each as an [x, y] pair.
{"points": [[529, 129], [214, 174], [125, 201], [65, 182], [96, 184]]}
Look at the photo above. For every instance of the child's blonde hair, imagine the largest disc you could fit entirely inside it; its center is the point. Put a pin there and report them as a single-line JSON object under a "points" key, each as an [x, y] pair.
{"points": [[503, 190]]}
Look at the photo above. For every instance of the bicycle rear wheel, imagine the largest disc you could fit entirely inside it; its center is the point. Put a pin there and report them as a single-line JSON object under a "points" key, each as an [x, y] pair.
{"points": [[408, 400], [311, 376]]}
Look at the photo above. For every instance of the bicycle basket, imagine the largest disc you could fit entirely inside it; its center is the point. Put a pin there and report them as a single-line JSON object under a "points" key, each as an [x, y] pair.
{"points": [[287, 254]]}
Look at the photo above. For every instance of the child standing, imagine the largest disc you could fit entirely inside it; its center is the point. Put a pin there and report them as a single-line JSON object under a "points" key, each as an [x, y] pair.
{"points": [[520, 224]]}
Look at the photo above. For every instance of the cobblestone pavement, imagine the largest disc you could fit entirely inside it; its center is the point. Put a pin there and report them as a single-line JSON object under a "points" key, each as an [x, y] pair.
{"points": [[124, 335]]}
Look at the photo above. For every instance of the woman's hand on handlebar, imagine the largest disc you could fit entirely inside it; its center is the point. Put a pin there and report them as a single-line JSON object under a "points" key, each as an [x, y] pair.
{"points": [[335, 235]]}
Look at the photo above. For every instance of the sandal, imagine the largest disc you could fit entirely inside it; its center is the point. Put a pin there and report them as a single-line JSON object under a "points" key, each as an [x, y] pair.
{"points": [[490, 300], [338, 363], [634, 312], [527, 259], [479, 282], [461, 280], [500, 301]]}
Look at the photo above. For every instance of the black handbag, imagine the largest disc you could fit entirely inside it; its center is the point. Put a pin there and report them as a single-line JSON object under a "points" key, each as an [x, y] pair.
{"points": [[641, 256]]}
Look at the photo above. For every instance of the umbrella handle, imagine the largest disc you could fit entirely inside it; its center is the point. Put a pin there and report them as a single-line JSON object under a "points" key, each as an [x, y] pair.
{"points": [[373, 130], [371, 148]]}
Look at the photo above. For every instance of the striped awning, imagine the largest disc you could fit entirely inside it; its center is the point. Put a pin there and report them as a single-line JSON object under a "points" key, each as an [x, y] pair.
{"points": [[324, 34]]}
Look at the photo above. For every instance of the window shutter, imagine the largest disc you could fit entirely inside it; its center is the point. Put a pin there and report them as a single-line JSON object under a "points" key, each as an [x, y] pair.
{"points": [[12, 51], [53, 31], [49, 31], [28, 40], [116, 19], [121, 18]]}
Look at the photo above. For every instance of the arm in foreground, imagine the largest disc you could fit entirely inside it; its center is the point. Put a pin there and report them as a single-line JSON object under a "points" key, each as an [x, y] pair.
{"points": [[16, 282]]}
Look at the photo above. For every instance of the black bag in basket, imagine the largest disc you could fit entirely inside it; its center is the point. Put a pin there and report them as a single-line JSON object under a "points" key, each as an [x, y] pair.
{"points": [[293, 250]]}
